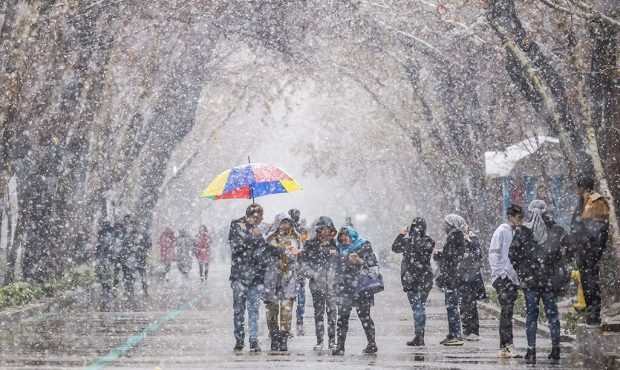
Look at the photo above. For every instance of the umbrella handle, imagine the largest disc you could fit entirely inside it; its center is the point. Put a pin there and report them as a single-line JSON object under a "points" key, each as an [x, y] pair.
{"points": [[251, 193]]}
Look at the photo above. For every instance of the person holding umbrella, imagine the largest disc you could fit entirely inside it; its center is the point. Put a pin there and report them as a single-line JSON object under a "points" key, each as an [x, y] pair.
{"points": [[281, 278], [247, 273]]}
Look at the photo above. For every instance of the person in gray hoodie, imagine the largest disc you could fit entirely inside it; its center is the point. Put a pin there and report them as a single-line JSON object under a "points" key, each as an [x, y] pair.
{"points": [[504, 277]]}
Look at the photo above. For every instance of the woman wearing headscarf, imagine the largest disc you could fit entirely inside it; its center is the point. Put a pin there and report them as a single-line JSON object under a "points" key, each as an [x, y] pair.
{"points": [[355, 254], [319, 260], [416, 274], [536, 257], [203, 252], [450, 259], [472, 287], [281, 274]]}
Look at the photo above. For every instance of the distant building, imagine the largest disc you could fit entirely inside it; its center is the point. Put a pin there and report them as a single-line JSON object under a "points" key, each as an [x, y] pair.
{"points": [[516, 176]]}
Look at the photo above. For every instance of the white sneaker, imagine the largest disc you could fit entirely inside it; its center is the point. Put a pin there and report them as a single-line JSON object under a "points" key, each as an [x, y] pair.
{"points": [[318, 346], [507, 352], [471, 338]]}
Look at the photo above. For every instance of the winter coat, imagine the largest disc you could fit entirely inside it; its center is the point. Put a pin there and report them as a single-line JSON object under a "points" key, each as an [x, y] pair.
{"points": [[541, 265], [590, 228], [141, 243], [282, 269], [248, 257], [347, 276], [450, 260], [472, 285], [319, 263], [184, 253], [104, 257], [167, 245], [416, 274], [203, 248]]}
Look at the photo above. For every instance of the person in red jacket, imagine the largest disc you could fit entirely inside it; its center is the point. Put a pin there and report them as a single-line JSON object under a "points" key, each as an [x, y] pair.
{"points": [[203, 252], [167, 249]]}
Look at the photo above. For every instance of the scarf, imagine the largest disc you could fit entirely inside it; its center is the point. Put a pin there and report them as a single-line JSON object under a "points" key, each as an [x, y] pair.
{"points": [[535, 222], [356, 242]]}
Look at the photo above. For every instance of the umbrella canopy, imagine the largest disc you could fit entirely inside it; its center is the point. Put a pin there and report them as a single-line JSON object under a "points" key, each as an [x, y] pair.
{"points": [[250, 181]]}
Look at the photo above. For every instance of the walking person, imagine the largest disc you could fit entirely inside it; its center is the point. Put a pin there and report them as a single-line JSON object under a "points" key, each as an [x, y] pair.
{"points": [[301, 294], [281, 279], [247, 272], [104, 255], [319, 260], [536, 254], [589, 233], [355, 254], [504, 277], [167, 249], [450, 280], [141, 245], [185, 248], [127, 256], [472, 287], [203, 252], [416, 274]]}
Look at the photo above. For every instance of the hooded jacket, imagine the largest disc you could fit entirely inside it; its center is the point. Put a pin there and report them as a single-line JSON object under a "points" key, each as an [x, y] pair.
{"points": [[415, 268], [319, 260], [247, 254], [282, 269]]}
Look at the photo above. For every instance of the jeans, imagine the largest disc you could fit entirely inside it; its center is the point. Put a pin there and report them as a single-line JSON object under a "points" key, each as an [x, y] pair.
{"points": [[507, 295], [279, 315], [454, 316], [469, 315], [363, 312], [246, 296], [322, 302], [417, 300], [301, 301], [203, 270], [532, 298]]}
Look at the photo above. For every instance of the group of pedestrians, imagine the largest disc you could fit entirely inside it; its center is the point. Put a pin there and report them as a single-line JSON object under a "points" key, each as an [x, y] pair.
{"points": [[271, 267], [179, 249], [120, 254], [536, 255]]}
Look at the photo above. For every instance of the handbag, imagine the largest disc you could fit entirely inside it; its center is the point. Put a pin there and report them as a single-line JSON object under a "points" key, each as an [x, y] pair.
{"points": [[369, 283]]}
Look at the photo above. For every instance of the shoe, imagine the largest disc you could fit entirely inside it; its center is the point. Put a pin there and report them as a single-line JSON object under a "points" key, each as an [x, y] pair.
{"points": [[370, 349], [318, 346], [530, 356], [238, 346], [284, 341], [339, 351], [275, 340], [471, 338], [456, 341], [417, 341], [506, 352], [332, 345], [555, 353], [300, 328], [447, 338], [254, 347]]}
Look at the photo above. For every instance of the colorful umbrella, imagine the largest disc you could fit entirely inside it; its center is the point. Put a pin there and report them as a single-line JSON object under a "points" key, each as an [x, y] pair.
{"points": [[250, 181]]}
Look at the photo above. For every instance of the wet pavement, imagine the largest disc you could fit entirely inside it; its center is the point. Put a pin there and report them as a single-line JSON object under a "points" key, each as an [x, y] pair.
{"points": [[189, 325]]}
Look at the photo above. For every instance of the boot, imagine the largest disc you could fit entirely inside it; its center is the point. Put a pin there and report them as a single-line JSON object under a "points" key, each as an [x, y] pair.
{"points": [[418, 341], [283, 341], [339, 351], [275, 340], [530, 356], [370, 349], [254, 347], [555, 353]]}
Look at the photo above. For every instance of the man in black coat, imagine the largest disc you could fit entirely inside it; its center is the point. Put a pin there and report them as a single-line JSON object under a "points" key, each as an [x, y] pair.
{"points": [[319, 260], [415, 272], [247, 273], [104, 259]]}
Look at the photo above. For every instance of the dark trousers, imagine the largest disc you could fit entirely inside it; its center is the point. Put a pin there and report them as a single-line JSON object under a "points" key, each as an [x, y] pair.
{"points": [[363, 312], [143, 278], [203, 270], [588, 265], [167, 266], [323, 302], [507, 295], [469, 315]]}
